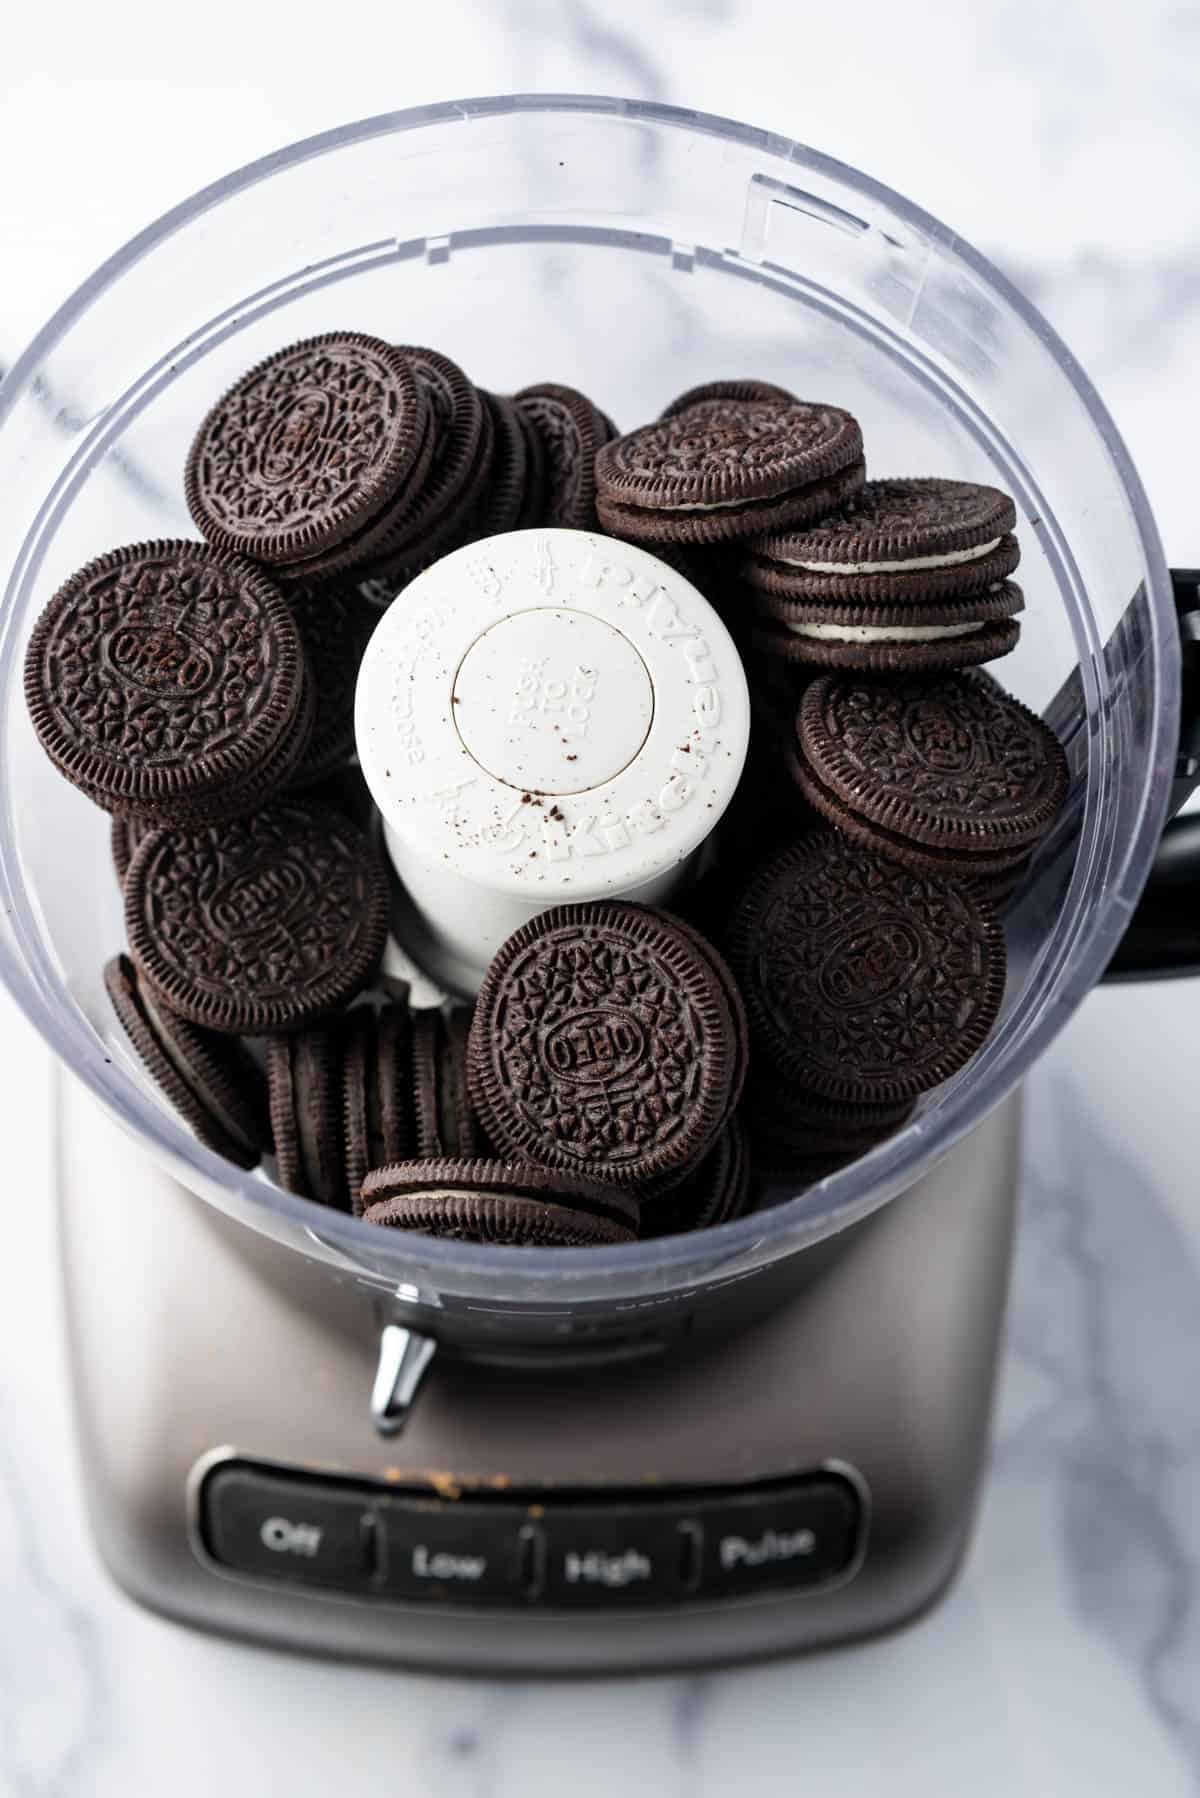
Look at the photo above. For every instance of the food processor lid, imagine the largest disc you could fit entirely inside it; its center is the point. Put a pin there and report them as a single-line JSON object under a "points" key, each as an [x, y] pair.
{"points": [[1119, 710]]}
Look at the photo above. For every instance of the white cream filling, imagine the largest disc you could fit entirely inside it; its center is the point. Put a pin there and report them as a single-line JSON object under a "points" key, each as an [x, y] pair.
{"points": [[914, 563], [721, 505], [883, 633]]}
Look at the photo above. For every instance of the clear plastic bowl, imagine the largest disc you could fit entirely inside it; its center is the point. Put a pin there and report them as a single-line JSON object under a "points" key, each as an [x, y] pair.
{"points": [[632, 250]]}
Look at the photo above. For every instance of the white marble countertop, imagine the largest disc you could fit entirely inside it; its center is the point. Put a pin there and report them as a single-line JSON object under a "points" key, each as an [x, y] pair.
{"points": [[1067, 1657]]}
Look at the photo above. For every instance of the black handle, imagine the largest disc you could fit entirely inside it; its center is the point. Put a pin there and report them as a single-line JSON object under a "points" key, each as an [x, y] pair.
{"points": [[1163, 937]]}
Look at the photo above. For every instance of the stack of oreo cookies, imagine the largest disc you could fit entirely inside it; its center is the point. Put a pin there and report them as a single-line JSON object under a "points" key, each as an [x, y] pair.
{"points": [[606, 1060], [365, 1091], [894, 793], [951, 776], [346, 455], [905, 577], [170, 682], [725, 462], [618, 1077], [867, 984]]}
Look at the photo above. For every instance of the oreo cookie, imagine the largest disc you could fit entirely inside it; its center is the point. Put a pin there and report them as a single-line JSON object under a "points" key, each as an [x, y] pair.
{"points": [[950, 777], [728, 468], [360, 1108], [704, 946], [168, 682], [304, 1082], [211, 1081], [793, 1132], [865, 982], [537, 474], [501, 502], [335, 624], [604, 1042], [768, 810], [728, 390], [503, 1202], [894, 541], [458, 1126], [123, 838], [378, 1123], [438, 515], [715, 1193], [306, 463], [445, 1120], [394, 1135], [570, 431], [260, 925], [927, 636], [426, 1034]]}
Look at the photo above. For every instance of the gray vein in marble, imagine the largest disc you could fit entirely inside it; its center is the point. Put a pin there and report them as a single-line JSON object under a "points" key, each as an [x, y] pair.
{"points": [[689, 1703], [1118, 314], [1106, 1296], [461, 1753], [598, 37], [54, 1706], [1102, 67], [68, 419]]}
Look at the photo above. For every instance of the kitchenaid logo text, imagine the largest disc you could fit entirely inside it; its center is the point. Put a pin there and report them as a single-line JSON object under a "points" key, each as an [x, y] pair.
{"points": [[406, 664], [667, 620]]}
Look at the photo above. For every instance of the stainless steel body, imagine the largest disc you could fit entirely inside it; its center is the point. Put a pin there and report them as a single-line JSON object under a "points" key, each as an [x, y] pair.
{"points": [[191, 1337]]}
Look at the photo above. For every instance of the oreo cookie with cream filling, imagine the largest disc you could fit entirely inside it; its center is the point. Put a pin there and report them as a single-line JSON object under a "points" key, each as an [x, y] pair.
{"points": [[504, 1202], [123, 838], [570, 430], [714, 1193], [748, 389], [335, 624], [168, 681], [865, 982], [304, 1079], [258, 925], [894, 540], [308, 460], [212, 1081], [952, 776], [919, 637], [726, 468], [605, 1042], [906, 574]]}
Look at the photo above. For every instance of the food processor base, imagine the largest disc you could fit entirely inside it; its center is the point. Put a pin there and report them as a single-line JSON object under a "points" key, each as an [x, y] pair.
{"points": [[807, 1480]]}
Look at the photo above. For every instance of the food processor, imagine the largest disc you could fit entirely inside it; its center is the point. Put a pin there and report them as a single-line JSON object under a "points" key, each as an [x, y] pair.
{"points": [[763, 1436]]}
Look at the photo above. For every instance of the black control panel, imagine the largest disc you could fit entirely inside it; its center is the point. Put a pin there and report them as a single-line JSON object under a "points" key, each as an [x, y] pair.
{"points": [[558, 1550]]}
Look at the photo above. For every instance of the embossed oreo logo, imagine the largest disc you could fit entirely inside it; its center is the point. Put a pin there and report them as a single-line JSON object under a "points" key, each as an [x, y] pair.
{"points": [[295, 437], [160, 660], [938, 741], [870, 963], [259, 898], [594, 1047]]}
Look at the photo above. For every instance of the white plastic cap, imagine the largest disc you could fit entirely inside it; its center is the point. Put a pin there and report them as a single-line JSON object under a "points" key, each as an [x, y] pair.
{"points": [[542, 718]]}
